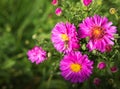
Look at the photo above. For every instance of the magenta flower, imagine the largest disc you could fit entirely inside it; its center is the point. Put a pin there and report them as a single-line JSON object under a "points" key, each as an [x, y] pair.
{"points": [[87, 2], [64, 37], [101, 65], [54, 2], [76, 67], [97, 81], [114, 69], [99, 31], [58, 11], [37, 54]]}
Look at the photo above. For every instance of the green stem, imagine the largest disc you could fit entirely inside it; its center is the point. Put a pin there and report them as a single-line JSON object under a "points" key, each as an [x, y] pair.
{"points": [[116, 17], [87, 11], [49, 80], [51, 75]]}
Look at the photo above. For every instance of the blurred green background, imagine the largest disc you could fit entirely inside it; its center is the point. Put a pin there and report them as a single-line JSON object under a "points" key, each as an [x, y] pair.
{"points": [[23, 24]]}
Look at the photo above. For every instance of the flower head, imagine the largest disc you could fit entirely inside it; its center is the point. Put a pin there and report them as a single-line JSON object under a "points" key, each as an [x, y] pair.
{"points": [[101, 65], [58, 11], [37, 54], [76, 67], [54, 2], [64, 37], [87, 2], [100, 32]]}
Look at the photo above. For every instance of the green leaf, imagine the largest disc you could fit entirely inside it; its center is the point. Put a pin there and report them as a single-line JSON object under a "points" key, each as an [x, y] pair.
{"points": [[8, 64]]}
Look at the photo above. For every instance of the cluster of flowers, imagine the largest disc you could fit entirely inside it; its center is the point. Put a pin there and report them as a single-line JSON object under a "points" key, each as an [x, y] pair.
{"points": [[75, 66]]}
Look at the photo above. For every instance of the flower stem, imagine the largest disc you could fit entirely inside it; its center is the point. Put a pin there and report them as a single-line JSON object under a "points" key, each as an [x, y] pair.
{"points": [[49, 80]]}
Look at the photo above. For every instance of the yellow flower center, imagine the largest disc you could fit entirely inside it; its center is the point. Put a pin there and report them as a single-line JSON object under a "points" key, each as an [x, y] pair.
{"points": [[97, 32], [64, 37], [75, 67]]}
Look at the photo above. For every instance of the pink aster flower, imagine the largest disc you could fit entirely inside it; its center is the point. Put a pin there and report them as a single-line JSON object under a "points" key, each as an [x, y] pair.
{"points": [[64, 37], [54, 2], [58, 11], [76, 67], [87, 2], [101, 65], [100, 32], [36, 54]]}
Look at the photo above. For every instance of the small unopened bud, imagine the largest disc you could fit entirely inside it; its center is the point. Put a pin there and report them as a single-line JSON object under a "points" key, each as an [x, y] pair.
{"points": [[76, 46], [87, 2], [27, 42], [108, 48], [58, 11], [114, 69], [101, 65], [97, 81], [111, 81], [54, 2], [49, 54], [34, 36], [112, 11]]}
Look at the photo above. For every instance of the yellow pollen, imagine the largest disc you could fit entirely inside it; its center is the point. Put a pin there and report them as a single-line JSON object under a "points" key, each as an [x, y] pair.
{"points": [[75, 67], [64, 37], [97, 32]]}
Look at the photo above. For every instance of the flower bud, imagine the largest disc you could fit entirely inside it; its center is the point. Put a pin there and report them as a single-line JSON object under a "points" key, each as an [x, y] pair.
{"points": [[108, 48], [54, 2], [58, 11], [97, 81], [114, 69], [87, 2], [101, 65], [76, 46], [111, 81], [112, 10]]}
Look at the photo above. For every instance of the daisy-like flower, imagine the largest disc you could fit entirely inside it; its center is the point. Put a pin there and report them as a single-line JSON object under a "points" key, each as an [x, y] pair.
{"points": [[76, 67], [36, 54], [100, 32], [64, 37]]}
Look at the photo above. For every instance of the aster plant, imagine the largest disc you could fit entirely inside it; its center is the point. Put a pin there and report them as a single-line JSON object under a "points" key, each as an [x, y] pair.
{"points": [[76, 67], [87, 42], [64, 37], [36, 54]]}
